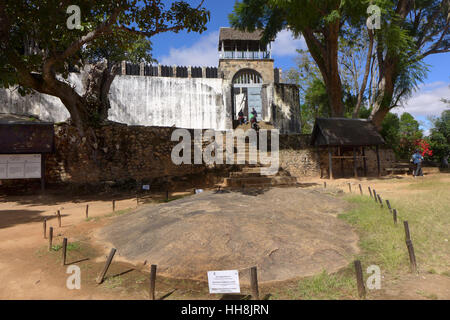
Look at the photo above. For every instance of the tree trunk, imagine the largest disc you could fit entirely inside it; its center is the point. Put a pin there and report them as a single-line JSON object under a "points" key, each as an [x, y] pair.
{"points": [[383, 100], [325, 54]]}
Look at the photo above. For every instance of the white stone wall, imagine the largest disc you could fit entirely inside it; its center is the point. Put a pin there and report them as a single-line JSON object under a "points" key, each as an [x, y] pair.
{"points": [[198, 103]]}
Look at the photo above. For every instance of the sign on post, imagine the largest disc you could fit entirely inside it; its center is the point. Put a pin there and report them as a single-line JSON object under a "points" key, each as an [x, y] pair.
{"points": [[20, 166], [223, 282]]}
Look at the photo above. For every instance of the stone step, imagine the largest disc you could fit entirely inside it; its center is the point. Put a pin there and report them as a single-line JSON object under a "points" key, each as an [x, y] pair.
{"points": [[261, 180]]}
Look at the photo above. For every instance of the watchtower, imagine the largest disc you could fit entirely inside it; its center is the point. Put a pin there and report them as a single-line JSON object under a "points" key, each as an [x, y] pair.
{"points": [[248, 65]]}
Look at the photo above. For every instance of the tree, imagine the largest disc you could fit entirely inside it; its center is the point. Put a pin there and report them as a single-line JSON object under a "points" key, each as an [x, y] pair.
{"points": [[38, 49], [410, 31], [440, 136], [409, 134], [320, 24], [390, 131]]}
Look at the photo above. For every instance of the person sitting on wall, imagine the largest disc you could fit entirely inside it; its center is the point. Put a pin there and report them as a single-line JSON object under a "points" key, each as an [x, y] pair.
{"points": [[417, 159], [241, 118]]}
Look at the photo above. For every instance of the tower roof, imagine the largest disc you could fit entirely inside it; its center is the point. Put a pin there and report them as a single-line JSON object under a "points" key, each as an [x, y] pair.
{"points": [[234, 34]]}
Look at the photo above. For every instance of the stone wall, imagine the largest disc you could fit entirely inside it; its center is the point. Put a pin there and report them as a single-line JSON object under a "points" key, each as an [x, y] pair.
{"points": [[229, 67], [301, 160], [286, 108], [122, 154], [197, 103]]}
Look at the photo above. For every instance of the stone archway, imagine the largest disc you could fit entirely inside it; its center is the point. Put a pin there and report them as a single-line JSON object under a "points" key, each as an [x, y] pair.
{"points": [[247, 88]]}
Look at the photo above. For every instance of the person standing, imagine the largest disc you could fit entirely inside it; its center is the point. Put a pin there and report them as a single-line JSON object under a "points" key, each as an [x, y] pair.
{"points": [[417, 159]]}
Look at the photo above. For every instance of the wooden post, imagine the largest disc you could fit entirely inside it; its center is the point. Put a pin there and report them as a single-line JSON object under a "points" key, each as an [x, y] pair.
{"points": [[381, 201], [101, 276], [45, 228], [389, 205], [407, 234], [360, 279], [50, 239], [355, 171], [350, 187], [87, 211], [325, 184], [330, 163], [64, 251], [375, 195], [59, 218], [254, 283], [378, 161], [370, 191], [412, 256], [114, 205], [360, 189], [152, 282], [395, 215]]}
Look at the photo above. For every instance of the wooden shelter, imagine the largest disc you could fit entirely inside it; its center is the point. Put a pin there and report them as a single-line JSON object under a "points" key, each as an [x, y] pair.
{"points": [[338, 135]]}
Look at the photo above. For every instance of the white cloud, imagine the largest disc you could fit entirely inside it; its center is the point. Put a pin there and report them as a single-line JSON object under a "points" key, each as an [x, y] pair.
{"points": [[203, 53], [427, 100], [286, 44]]}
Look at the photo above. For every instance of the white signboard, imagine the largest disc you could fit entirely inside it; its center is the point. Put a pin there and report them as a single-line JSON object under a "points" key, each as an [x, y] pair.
{"points": [[20, 166], [224, 281]]}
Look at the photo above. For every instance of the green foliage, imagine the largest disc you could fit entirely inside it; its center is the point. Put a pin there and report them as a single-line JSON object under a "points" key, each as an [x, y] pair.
{"points": [[401, 133], [440, 136], [390, 130]]}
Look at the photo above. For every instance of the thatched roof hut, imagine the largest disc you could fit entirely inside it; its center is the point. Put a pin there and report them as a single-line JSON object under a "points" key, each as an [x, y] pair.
{"points": [[339, 134]]}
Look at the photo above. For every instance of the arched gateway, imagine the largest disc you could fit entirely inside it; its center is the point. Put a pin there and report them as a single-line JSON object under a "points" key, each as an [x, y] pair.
{"points": [[247, 89]]}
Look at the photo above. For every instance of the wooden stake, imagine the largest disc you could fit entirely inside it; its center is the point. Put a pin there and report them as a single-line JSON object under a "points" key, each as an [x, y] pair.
{"points": [[87, 211], [50, 239], [375, 195], [395, 215], [254, 283], [114, 205], [152, 282], [45, 228], [370, 191], [360, 189], [350, 187], [64, 251], [380, 200], [389, 205], [412, 256], [325, 184], [59, 218], [407, 233], [101, 276], [360, 279]]}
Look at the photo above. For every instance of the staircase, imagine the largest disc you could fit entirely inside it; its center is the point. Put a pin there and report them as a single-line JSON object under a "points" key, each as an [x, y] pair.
{"points": [[249, 174]]}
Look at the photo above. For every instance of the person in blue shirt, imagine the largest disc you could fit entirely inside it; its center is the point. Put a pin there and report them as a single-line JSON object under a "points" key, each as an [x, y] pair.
{"points": [[417, 159]]}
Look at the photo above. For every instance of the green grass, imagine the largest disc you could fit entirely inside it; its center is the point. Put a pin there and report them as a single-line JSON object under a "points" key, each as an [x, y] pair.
{"points": [[326, 286], [424, 203], [71, 246]]}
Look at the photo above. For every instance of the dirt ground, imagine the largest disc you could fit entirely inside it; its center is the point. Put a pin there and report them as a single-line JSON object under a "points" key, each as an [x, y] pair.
{"points": [[30, 271]]}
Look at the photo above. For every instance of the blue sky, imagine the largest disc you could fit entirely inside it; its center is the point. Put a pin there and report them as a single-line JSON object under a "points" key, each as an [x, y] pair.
{"points": [[201, 50]]}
